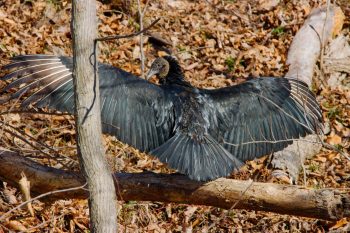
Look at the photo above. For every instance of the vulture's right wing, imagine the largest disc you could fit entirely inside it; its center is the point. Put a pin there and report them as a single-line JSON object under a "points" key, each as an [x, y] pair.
{"points": [[134, 110]]}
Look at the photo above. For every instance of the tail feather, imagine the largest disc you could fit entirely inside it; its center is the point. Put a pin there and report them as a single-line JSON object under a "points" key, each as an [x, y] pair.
{"points": [[205, 160]]}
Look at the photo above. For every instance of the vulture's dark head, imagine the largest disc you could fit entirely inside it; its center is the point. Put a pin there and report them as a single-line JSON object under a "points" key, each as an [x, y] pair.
{"points": [[160, 68], [168, 70]]}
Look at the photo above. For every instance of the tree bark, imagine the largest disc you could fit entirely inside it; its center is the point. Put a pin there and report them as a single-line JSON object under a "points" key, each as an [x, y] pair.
{"points": [[302, 57], [328, 204], [102, 198]]}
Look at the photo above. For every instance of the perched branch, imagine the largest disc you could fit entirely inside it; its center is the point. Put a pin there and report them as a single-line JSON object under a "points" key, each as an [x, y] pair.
{"points": [[328, 204]]}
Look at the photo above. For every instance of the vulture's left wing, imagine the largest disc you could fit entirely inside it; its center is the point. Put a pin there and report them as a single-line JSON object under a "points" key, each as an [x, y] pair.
{"points": [[263, 115]]}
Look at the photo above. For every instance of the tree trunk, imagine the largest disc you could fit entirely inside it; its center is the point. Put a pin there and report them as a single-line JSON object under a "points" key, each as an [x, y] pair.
{"points": [[328, 204], [102, 198]]}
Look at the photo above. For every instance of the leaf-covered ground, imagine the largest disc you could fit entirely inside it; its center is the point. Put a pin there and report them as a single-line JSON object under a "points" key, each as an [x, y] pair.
{"points": [[218, 43]]}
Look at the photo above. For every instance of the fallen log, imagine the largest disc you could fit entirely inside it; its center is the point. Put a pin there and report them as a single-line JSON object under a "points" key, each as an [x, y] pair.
{"points": [[327, 204], [303, 54]]}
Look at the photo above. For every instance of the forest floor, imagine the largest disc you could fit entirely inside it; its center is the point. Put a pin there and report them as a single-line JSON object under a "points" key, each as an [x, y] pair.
{"points": [[218, 43]]}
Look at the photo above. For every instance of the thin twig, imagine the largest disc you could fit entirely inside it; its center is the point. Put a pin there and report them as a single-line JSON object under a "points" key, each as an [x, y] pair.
{"points": [[318, 35], [334, 148], [142, 55], [145, 8], [32, 138], [331, 147], [115, 38], [32, 145], [302, 166], [242, 194], [322, 46], [11, 107], [35, 112], [5, 228], [323, 38], [26, 141], [234, 205], [194, 49], [116, 11], [2, 218], [129, 35], [42, 224], [271, 142]]}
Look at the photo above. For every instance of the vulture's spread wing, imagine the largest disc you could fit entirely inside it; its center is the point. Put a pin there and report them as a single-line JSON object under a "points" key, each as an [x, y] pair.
{"points": [[134, 110], [263, 115]]}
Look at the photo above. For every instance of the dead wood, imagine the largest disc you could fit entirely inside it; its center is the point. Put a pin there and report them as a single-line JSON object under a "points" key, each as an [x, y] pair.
{"points": [[303, 54], [328, 204]]}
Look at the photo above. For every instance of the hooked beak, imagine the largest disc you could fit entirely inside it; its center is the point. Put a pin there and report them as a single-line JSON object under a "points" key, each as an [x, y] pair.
{"points": [[150, 73]]}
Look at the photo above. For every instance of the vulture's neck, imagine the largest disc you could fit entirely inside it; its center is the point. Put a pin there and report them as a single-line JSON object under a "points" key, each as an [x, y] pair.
{"points": [[175, 75]]}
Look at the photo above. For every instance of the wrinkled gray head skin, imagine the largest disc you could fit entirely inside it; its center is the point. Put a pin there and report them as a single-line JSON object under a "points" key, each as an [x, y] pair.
{"points": [[159, 67]]}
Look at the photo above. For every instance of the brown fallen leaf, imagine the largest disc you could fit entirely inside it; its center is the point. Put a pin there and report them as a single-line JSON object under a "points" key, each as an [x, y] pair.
{"points": [[268, 5], [16, 225], [9, 195], [340, 223], [334, 140]]}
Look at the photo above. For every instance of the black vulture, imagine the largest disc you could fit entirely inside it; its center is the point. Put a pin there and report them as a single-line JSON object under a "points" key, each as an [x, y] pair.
{"points": [[202, 133]]}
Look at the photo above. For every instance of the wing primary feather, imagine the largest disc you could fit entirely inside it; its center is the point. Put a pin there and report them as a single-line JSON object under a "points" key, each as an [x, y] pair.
{"points": [[31, 77], [33, 57], [25, 70], [37, 96]]}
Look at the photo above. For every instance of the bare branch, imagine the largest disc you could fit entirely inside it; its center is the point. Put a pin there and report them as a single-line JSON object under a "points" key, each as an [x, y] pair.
{"points": [[328, 204]]}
